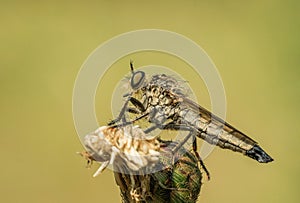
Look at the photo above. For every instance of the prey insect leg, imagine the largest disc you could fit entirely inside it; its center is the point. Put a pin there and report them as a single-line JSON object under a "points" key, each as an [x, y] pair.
{"points": [[101, 168]]}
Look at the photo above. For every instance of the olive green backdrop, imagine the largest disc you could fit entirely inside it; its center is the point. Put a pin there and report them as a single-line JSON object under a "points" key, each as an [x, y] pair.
{"points": [[254, 44]]}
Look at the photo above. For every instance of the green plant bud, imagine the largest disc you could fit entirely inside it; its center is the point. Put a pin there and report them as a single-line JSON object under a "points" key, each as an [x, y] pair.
{"points": [[177, 183]]}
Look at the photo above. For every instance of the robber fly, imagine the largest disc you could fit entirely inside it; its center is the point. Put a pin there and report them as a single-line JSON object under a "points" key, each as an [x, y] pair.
{"points": [[163, 101], [127, 148]]}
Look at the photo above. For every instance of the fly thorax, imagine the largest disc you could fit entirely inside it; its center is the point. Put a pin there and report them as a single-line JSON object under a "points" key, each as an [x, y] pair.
{"points": [[158, 114], [155, 91], [167, 111], [169, 83], [155, 101]]}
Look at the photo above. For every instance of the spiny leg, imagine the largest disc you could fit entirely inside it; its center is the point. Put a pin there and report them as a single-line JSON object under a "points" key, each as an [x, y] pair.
{"points": [[181, 143], [137, 104], [169, 126], [125, 123], [133, 110], [172, 126], [175, 126], [121, 114], [193, 132], [199, 159], [125, 109]]}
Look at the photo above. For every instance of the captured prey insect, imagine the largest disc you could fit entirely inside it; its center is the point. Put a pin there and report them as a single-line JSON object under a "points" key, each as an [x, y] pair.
{"points": [[131, 153], [126, 148], [162, 101]]}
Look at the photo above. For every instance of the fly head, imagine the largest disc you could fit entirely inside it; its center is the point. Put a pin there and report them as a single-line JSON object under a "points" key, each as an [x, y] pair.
{"points": [[137, 78]]}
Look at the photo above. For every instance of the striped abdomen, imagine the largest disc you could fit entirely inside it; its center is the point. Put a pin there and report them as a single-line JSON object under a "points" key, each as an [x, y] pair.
{"points": [[216, 131]]}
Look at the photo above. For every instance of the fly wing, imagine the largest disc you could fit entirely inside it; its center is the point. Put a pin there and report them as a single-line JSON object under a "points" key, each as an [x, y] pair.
{"points": [[216, 131]]}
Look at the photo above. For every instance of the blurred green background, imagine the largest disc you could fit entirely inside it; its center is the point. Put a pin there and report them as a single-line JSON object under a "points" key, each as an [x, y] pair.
{"points": [[254, 44]]}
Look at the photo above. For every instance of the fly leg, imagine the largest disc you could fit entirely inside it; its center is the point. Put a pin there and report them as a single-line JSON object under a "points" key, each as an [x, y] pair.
{"points": [[137, 104], [180, 144], [125, 109], [199, 159], [173, 126], [125, 123], [169, 126], [133, 110], [192, 133], [122, 113]]}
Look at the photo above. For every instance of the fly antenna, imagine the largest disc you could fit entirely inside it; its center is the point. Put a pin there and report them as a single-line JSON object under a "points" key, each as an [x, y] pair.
{"points": [[131, 65]]}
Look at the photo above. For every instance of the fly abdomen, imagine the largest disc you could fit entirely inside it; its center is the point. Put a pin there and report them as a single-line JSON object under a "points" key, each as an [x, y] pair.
{"points": [[217, 132], [238, 142], [225, 144], [259, 154], [214, 133], [230, 138]]}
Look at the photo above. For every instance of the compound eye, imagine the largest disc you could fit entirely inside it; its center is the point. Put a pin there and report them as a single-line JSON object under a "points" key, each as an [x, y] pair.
{"points": [[137, 79]]}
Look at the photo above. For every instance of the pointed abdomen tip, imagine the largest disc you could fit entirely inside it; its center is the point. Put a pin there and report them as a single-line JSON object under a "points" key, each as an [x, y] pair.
{"points": [[259, 154]]}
